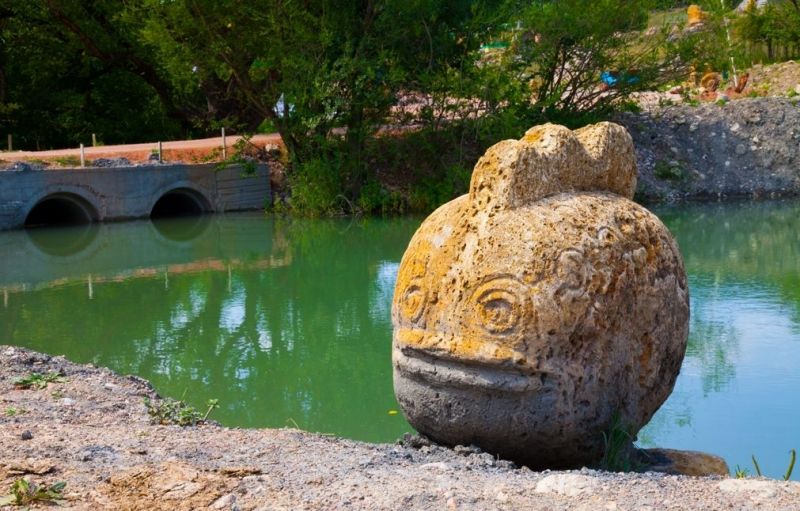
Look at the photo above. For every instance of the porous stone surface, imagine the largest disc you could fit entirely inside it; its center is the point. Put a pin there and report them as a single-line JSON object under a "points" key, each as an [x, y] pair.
{"points": [[543, 307]]}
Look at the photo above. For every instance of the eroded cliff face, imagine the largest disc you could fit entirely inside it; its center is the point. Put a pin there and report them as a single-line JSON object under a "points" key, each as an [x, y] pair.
{"points": [[744, 148], [532, 313]]}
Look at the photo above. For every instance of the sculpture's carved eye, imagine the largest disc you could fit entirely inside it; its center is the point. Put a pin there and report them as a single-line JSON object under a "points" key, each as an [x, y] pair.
{"points": [[499, 305], [498, 312], [412, 304]]}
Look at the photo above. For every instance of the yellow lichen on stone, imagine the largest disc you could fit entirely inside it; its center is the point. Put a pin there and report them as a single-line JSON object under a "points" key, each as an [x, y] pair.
{"points": [[531, 310]]}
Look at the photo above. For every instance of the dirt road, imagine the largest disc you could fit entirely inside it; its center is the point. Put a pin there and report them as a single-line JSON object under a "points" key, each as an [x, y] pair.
{"points": [[189, 151]]}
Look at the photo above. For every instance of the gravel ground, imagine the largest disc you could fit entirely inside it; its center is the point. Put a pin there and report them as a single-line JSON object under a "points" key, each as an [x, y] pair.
{"points": [[92, 431]]}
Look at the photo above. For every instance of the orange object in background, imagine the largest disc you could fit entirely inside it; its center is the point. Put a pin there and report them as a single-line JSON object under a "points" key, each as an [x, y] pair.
{"points": [[696, 15], [711, 81]]}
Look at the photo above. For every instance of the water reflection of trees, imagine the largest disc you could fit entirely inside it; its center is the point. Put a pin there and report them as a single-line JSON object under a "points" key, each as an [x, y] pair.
{"points": [[749, 241], [713, 345], [307, 336], [735, 254], [298, 341]]}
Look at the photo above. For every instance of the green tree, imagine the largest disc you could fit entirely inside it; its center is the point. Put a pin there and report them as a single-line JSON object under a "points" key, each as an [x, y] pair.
{"points": [[324, 73], [70, 68], [562, 49]]}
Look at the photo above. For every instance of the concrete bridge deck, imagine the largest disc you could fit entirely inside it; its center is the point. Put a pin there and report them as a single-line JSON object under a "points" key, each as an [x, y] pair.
{"points": [[86, 195]]}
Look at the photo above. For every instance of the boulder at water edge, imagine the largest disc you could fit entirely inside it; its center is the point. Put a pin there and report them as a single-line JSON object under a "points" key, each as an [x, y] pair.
{"points": [[544, 307]]}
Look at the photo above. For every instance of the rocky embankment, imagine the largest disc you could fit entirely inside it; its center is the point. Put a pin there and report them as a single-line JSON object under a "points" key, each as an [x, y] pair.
{"points": [[91, 431], [744, 148]]}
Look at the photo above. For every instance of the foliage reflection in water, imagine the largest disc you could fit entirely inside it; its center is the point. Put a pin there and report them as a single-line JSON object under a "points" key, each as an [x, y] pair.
{"points": [[737, 392], [287, 321]]}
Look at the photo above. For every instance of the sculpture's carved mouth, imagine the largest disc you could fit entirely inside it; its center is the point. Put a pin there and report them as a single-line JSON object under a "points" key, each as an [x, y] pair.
{"points": [[419, 365]]}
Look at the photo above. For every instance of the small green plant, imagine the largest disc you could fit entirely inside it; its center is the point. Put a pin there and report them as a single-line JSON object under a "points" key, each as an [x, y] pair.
{"points": [[245, 154], [211, 405], [24, 492], [616, 446], [792, 93], [792, 459], [669, 172], [742, 473], [170, 411], [213, 155], [38, 381], [13, 411], [68, 161]]}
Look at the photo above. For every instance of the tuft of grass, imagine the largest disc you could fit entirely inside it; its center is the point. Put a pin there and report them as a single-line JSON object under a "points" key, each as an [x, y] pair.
{"points": [[742, 473], [616, 446], [755, 464], [792, 459], [68, 161], [38, 381], [24, 492], [13, 411], [177, 412]]}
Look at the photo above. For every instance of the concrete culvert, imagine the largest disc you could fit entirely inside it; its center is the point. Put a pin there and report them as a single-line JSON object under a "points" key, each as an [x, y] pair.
{"points": [[180, 202], [59, 210]]}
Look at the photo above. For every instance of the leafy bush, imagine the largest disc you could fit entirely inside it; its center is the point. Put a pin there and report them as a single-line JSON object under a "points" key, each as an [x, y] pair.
{"points": [[24, 493], [169, 411], [771, 33], [316, 188], [563, 48], [669, 171], [38, 381]]}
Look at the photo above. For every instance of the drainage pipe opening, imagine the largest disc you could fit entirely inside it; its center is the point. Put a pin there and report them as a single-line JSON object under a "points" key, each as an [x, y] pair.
{"points": [[60, 210], [179, 203]]}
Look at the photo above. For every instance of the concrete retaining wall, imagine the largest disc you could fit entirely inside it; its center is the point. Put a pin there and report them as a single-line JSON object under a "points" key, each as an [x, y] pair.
{"points": [[130, 192]]}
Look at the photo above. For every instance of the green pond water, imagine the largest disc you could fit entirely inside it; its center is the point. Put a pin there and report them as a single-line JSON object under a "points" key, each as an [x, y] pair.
{"points": [[286, 322]]}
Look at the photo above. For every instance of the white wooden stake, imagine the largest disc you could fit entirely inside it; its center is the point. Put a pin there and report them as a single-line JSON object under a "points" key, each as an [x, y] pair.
{"points": [[91, 288], [83, 157], [224, 146], [160, 152], [94, 140]]}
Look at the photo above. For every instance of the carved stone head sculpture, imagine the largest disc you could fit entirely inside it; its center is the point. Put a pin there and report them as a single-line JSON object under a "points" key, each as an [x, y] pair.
{"points": [[541, 307]]}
